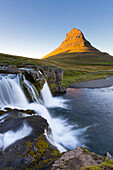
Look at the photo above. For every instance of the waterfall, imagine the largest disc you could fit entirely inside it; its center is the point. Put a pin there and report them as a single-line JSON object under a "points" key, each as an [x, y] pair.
{"points": [[11, 92], [48, 100], [32, 90], [46, 95], [12, 95]]}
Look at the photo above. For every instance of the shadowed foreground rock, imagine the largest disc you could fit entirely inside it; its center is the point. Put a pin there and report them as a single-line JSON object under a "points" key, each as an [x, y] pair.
{"points": [[81, 158], [30, 152]]}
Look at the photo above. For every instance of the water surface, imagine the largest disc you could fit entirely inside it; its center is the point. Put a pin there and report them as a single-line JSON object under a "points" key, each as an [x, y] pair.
{"points": [[91, 108]]}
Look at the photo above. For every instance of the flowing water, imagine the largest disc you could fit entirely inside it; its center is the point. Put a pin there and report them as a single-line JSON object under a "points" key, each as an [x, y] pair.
{"points": [[64, 136], [91, 108], [81, 117]]}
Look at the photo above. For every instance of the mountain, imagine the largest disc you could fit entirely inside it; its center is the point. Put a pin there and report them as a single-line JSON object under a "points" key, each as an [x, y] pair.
{"points": [[74, 42]]}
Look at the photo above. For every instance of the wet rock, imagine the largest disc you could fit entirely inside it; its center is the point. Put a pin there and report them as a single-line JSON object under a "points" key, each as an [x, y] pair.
{"points": [[31, 151]]}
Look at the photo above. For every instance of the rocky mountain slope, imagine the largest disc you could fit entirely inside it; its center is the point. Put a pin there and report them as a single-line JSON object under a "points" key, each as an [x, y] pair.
{"points": [[74, 42]]}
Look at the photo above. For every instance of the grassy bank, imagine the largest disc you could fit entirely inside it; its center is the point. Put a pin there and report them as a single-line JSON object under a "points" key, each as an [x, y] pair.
{"points": [[83, 76], [77, 67]]}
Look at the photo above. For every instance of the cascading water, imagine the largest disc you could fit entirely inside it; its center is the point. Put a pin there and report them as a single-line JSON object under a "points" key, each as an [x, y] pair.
{"points": [[12, 95], [10, 91], [50, 101], [32, 90]]}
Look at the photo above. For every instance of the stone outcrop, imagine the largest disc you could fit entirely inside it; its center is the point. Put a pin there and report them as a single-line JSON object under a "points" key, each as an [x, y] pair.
{"points": [[81, 158], [38, 74], [8, 69], [54, 76], [74, 42]]}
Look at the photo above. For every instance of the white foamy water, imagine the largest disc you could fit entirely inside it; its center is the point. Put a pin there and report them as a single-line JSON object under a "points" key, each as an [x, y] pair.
{"points": [[3, 117], [10, 136], [12, 95], [49, 101], [10, 92]]}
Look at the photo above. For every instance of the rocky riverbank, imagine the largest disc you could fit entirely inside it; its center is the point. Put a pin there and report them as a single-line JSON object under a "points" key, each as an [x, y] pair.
{"points": [[100, 83]]}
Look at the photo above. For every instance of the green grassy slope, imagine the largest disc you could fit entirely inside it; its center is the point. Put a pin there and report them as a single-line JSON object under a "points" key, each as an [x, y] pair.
{"points": [[18, 60], [77, 66], [82, 66]]}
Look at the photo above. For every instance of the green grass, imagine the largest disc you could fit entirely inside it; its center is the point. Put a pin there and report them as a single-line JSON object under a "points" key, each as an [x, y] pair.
{"points": [[82, 76], [107, 164], [77, 66]]}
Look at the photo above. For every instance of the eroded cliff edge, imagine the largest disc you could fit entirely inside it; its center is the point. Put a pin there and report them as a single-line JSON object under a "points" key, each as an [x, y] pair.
{"points": [[38, 74]]}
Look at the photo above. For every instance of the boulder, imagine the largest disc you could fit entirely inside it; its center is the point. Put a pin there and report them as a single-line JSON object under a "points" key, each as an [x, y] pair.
{"points": [[77, 159]]}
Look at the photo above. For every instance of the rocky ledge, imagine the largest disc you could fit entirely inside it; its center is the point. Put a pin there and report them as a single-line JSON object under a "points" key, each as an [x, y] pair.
{"points": [[81, 158], [38, 74]]}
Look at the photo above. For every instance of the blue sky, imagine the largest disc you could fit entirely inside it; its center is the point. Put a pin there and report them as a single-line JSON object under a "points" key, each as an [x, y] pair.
{"points": [[33, 28]]}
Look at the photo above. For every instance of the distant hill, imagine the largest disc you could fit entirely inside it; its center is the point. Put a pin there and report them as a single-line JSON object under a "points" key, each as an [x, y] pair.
{"points": [[76, 56], [74, 42], [76, 48]]}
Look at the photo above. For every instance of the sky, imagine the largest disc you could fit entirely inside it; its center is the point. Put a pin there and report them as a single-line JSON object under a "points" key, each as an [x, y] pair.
{"points": [[34, 28]]}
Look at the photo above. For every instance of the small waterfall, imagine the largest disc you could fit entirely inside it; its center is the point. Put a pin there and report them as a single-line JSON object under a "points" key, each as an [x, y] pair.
{"points": [[48, 100], [32, 90], [46, 95], [12, 95], [11, 92]]}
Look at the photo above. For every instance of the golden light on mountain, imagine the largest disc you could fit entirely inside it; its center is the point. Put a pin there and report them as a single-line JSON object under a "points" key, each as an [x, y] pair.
{"points": [[73, 43]]}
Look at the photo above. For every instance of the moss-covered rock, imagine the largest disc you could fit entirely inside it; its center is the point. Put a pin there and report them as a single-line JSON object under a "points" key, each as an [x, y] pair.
{"points": [[81, 158], [43, 154], [2, 112], [31, 152]]}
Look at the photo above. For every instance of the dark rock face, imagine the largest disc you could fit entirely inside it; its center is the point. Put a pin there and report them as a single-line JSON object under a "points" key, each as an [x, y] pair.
{"points": [[9, 69], [54, 78], [35, 77], [32, 150]]}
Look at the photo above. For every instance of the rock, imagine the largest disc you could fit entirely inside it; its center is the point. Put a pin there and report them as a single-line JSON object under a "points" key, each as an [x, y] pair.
{"points": [[76, 159], [33, 76], [31, 151], [108, 156], [59, 74], [37, 75], [54, 78], [11, 69]]}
